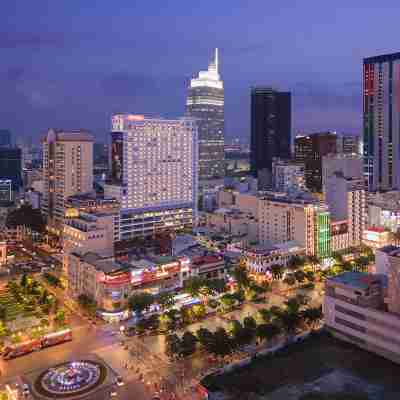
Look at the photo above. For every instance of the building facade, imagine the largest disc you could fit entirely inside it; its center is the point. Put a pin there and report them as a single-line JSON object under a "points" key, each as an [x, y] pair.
{"points": [[356, 310], [67, 171], [288, 176], [154, 174], [205, 103], [346, 200], [381, 77], [11, 166], [310, 150], [270, 128], [283, 219], [349, 164]]}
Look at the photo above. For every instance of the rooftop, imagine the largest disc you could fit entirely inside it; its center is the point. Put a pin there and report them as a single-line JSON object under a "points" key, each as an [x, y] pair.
{"points": [[357, 280], [391, 250], [104, 264]]}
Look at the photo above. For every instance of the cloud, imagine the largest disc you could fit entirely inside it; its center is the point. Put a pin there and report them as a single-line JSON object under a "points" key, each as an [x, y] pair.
{"points": [[31, 40]]}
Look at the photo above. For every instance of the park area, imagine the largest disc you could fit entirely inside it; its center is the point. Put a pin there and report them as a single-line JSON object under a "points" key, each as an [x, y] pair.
{"points": [[320, 368], [27, 311]]}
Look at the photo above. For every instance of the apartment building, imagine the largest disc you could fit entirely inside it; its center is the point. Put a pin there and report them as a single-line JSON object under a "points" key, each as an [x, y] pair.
{"points": [[283, 218], [346, 200], [67, 171]]}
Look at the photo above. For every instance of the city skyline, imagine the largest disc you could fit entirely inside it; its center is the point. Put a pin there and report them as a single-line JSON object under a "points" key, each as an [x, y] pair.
{"points": [[71, 79]]}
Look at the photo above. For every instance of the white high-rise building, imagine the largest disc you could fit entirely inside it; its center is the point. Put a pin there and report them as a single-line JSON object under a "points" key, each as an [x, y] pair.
{"points": [[67, 171], [153, 173], [346, 200]]}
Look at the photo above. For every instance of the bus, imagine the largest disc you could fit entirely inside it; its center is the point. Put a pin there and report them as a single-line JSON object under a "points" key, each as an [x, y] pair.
{"points": [[21, 349], [29, 346], [52, 339]]}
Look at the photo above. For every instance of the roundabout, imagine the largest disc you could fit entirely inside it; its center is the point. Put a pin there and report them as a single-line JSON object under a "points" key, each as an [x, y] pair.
{"points": [[70, 379]]}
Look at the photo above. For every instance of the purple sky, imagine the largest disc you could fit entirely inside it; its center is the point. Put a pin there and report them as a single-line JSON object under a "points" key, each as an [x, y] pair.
{"points": [[72, 63]]}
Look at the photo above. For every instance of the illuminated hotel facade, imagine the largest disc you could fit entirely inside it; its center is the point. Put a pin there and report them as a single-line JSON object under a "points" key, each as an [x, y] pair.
{"points": [[205, 103], [381, 147], [154, 166]]}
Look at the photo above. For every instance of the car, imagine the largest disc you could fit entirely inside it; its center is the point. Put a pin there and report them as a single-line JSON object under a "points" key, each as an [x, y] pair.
{"points": [[119, 381]]}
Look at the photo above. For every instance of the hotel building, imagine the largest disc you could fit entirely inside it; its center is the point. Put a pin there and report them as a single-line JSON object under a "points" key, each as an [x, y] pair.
{"points": [[205, 103], [154, 166], [283, 218], [67, 171]]}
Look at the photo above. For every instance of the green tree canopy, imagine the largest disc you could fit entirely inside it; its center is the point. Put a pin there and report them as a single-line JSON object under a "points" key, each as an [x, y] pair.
{"points": [[140, 302], [26, 216]]}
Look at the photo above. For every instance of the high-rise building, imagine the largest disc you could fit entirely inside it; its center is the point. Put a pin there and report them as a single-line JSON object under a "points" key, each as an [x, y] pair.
{"points": [[349, 164], [5, 138], [10, 166], [381, 142], [310, 149], [270, 128], [205, 102], [288, 175], [345, 198], [6, 194], [348, 144], [67, 171], [153, 173]]}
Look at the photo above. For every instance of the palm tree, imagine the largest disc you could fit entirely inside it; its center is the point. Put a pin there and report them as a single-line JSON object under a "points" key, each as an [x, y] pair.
{"points": [[276, 271], [295, 263], [312, 316], [267, 331]]}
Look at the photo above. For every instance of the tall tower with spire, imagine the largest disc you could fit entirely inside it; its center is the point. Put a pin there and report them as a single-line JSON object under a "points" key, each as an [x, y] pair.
{"points": [[205, 103]]}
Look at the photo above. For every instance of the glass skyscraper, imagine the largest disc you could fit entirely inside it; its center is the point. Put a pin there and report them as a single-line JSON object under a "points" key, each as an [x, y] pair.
{"points": [[270, 127], [205, 103]]}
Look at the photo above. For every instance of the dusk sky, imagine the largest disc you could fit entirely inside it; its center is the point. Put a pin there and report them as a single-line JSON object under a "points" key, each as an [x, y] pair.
{"points": [[72, 63]]}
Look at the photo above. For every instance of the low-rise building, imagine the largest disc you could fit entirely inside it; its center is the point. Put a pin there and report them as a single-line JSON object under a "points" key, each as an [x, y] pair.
{"points": [[384, 210], [357, 309], [259, 258], [104, 280], [376, 237]]}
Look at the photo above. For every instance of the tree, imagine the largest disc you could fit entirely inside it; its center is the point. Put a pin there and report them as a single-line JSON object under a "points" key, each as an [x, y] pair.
{"points": [[188, 344], [222, 344], [199, 311], [295, 263], [166, 300], [290, 279], [300, 276], [205, 338], [24, 281], [227, 301], [265, 315], [310, 276], [276, 271], [217, 285], [250, 323], [3, 313], [60, 317], [312, 316], [28, 217], [193, 285], [140, 302], [267, 331], [241, 277], [173, 346]]}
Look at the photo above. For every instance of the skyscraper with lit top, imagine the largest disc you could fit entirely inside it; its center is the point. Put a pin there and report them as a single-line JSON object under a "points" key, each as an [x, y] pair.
{"points": [[205, 102]]}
